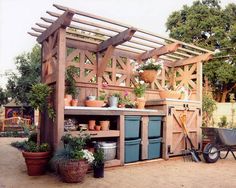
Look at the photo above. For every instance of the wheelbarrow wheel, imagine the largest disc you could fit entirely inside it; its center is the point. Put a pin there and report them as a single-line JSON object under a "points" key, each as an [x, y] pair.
{"points": [[211, 153]]}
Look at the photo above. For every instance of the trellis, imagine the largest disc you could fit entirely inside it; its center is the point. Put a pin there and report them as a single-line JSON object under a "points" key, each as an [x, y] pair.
{"points": [[105, 50]]}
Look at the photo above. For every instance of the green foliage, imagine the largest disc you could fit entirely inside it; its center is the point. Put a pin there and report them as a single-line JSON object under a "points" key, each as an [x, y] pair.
{"points": [[75, 144], [18, 145], [38, 98], [71, 89], [140, 89], [102, 95], [29, 69], [98, 157], [223, 122], [150, 64], [30, 146], [208, 107], [33, 137], [207, 25], [3, 96]]}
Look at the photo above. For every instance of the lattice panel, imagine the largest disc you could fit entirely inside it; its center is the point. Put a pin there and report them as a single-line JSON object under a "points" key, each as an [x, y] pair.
{"points": [[187, 76], [49, 58], [86, 62], [118, 72]]}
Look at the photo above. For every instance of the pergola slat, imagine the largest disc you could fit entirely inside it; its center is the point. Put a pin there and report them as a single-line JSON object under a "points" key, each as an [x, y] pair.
{"points": [[160, 51], [117, 40], [200, 58], [63, 21], [110, 21]]}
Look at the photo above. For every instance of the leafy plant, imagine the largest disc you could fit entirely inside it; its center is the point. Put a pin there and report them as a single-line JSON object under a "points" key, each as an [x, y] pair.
{"points": [[140, 89], [98, 157], [71, 89], [208, 107], [223, 122], [39, 99], [102, 95], [74, 147], [150, 64], [30, 146]]}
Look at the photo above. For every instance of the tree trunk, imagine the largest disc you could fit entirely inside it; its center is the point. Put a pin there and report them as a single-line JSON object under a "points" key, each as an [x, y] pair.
{"points": [[224, 95]]}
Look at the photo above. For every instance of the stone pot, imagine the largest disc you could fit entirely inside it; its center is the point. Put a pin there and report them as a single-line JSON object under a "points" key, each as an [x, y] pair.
{"points": [[113, 101]]}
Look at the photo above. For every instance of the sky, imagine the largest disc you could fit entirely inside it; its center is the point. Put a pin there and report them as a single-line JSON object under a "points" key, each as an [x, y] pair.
{"points": [[18, 16]]}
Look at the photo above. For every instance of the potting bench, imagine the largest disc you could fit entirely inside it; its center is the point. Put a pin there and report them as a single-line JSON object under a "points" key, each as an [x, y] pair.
{"points": [[105, 50]]}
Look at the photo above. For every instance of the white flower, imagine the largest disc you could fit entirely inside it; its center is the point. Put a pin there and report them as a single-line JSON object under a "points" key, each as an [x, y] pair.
{"points": [[140, 71], [88, 156], [141, 82]]}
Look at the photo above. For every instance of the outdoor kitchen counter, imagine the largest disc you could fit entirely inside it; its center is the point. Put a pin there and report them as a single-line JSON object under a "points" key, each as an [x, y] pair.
{"points": [[82, 110]]}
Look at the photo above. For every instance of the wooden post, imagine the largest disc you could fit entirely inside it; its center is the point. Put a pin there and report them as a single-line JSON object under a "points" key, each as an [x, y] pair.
{"points": [[121, 140], [60, 86], [144, 138], [199, 81]]}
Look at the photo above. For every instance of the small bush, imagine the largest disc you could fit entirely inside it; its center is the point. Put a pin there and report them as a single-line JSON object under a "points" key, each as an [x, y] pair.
{"points": [[223, 122]]}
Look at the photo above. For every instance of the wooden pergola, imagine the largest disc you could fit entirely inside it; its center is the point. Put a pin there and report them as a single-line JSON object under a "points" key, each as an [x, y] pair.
{"points": [[105, 50]]}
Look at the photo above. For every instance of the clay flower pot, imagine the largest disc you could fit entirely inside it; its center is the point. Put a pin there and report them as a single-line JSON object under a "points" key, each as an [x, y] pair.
{"points": [[169, 94], [148, 76], [74, 102], [140, 103], [94, 103], [105, 125], [91, 124], [36, 162], [97, 127]]}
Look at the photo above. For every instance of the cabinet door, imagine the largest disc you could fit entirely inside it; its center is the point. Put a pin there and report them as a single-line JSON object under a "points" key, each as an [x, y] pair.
{"points": [[175, 142]]}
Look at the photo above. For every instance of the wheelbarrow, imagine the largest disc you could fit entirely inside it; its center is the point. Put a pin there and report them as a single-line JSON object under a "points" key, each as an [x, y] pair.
{"points": [[220, 139]]}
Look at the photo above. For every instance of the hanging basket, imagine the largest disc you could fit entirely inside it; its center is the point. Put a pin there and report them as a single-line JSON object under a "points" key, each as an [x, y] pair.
{"points": [[148, 76]]}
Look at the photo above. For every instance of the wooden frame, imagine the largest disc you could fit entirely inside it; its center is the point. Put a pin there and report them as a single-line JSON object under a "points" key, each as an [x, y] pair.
{"points": [[105, 50]]}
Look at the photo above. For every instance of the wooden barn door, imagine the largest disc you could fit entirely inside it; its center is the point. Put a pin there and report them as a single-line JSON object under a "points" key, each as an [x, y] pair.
{"points": [[176, 139]]}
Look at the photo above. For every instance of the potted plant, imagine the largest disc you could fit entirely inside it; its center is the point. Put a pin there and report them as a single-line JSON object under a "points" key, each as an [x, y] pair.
{"points": [[98, 163], [71, 90], [149, 70], [125, 101], [171, 90], [36, 157], [39, 99], [139, 92], [96, 103], [113, 100], [73, 159]]}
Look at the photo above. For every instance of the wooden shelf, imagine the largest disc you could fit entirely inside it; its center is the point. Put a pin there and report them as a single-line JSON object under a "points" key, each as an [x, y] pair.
{"points": [[100, 134]]}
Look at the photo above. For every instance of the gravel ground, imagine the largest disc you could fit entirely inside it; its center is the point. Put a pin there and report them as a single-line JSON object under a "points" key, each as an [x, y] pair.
{"points": [[172, 173]]}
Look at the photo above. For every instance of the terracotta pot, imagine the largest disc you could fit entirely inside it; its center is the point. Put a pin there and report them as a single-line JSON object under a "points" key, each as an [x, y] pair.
{"points": [[36, 162], [69, 97], [105, 125], [140, 103], [91, 124], [67, 103], [169, 94], [73, 171], [74, 102], [97, 127], [94, 103], [148, 76]]}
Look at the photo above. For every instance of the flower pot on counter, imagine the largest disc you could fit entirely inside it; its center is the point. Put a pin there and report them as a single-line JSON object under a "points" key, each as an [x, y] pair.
{"points": [[169, 94], [98, 127], [113, 101], [140, 103], [91, 124], [94, 103], [74, 102]]}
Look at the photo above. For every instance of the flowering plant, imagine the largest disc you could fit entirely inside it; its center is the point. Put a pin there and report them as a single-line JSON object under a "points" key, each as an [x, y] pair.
{"points": [[125, 99], [150, 64], [140, 89]]}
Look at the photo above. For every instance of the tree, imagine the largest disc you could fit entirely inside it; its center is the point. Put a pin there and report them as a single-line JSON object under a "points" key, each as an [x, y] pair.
{"points": [[207, 25], [3, 96], [29, 67]]}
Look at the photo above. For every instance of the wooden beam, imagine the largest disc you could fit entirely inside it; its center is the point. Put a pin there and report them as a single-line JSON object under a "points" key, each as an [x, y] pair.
{"points": [[196, 59], [33, 34], [37, 30], [62, 22], [169, 48], [117, 39], [103, 64]]}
